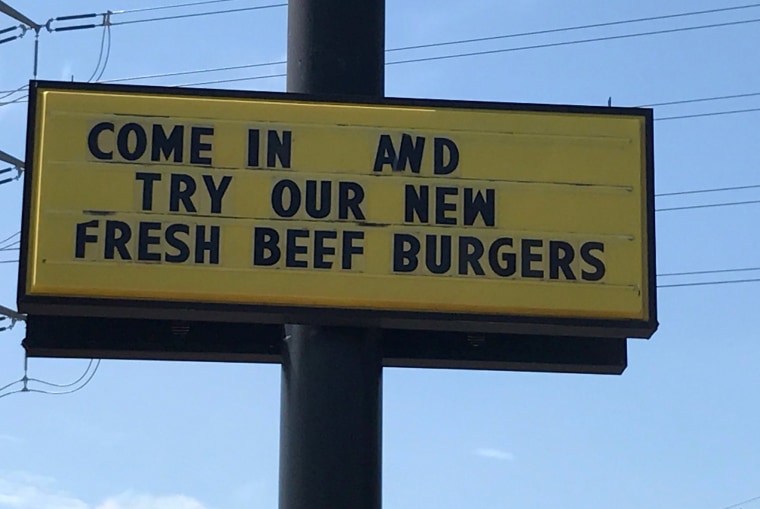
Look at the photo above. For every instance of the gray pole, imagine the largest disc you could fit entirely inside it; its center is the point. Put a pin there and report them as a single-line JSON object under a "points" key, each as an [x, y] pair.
{"points": [[13, 13], [331, 407]]}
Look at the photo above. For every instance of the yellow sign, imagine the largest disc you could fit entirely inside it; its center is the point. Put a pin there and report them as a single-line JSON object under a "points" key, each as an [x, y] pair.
{"points": [[458, 214]]}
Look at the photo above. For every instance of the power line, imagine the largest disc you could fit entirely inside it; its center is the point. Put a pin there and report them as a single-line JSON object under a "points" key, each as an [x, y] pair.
{"points": [[8, 93], [701, 99], [714, 190], [578, 41], [711, 114], [198, 14], [10, 237], [231, 80], [97, 73], [573, 28], [87, 369], [709, 205], [706, 272], [25, 381], [175, 6], [196, 71], [496, 37], [710, 283], [739, 504]]}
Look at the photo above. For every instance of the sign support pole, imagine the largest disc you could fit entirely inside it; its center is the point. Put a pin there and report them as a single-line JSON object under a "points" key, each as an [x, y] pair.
{"points": [[331, 406]]}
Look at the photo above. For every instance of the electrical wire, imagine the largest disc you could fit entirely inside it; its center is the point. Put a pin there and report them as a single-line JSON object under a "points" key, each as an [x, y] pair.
{"points": [[196, 71], [175, 6], [711, 114], [19, 99], [8, 93], [709, 205], [108, 54], [87, 369], [232, 80], [8, 261], [706, 272], [24, 380], [13, 236], [10, 385], [713, 190], [481, 39], [700, 100], [739, 504], [709, 283], [574, 28], [100, 53], [198, 14], [577, 41]]}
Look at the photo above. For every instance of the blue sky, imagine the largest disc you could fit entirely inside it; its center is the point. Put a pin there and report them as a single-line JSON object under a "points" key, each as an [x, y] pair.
{"points": [[677, 429]]}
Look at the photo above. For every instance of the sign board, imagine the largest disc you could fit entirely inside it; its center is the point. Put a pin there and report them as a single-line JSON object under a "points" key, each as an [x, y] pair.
{"points": [[140, 339], [418, 214]]}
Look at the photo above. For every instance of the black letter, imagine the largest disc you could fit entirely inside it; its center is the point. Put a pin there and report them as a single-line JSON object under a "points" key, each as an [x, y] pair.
{"points": [[145, 239], [325, 189], [472, 258], [182, 189], [349, 249], [528, 257], [350, 196], [592, 260], [216, 193], [405, 250], [278, 149], [510, 259], [147, 194], [173, 143], [386, 153], [292, 249], [265, 239], [320, 250], [92, 141], [196, 146], [211, 245], [441, 206], [410, 152], [431, 249], [83, 238], [112, 242], [253, 148], [277, 195], [183, 251], [141, 141], [439, 167], [416, 203], [474, 205], [561, 255]]}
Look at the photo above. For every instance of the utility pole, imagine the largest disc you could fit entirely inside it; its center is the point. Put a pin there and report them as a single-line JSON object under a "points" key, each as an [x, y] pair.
{"points": [[331, 407], [13, 315], [13, 13], [15, 161]]}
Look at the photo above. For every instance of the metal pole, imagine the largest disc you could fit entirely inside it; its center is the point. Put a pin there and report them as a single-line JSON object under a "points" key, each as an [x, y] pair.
{"points": [[331, 407], [13, 13], [15, 161]]}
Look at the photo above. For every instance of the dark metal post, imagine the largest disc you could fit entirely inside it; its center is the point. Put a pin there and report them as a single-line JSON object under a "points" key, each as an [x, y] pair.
{"points": [[331, 408]]}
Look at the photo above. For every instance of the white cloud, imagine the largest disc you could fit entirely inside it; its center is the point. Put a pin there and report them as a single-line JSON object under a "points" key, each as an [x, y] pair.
{"points": [[497, 454], [25, 491], [133, 501]]}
